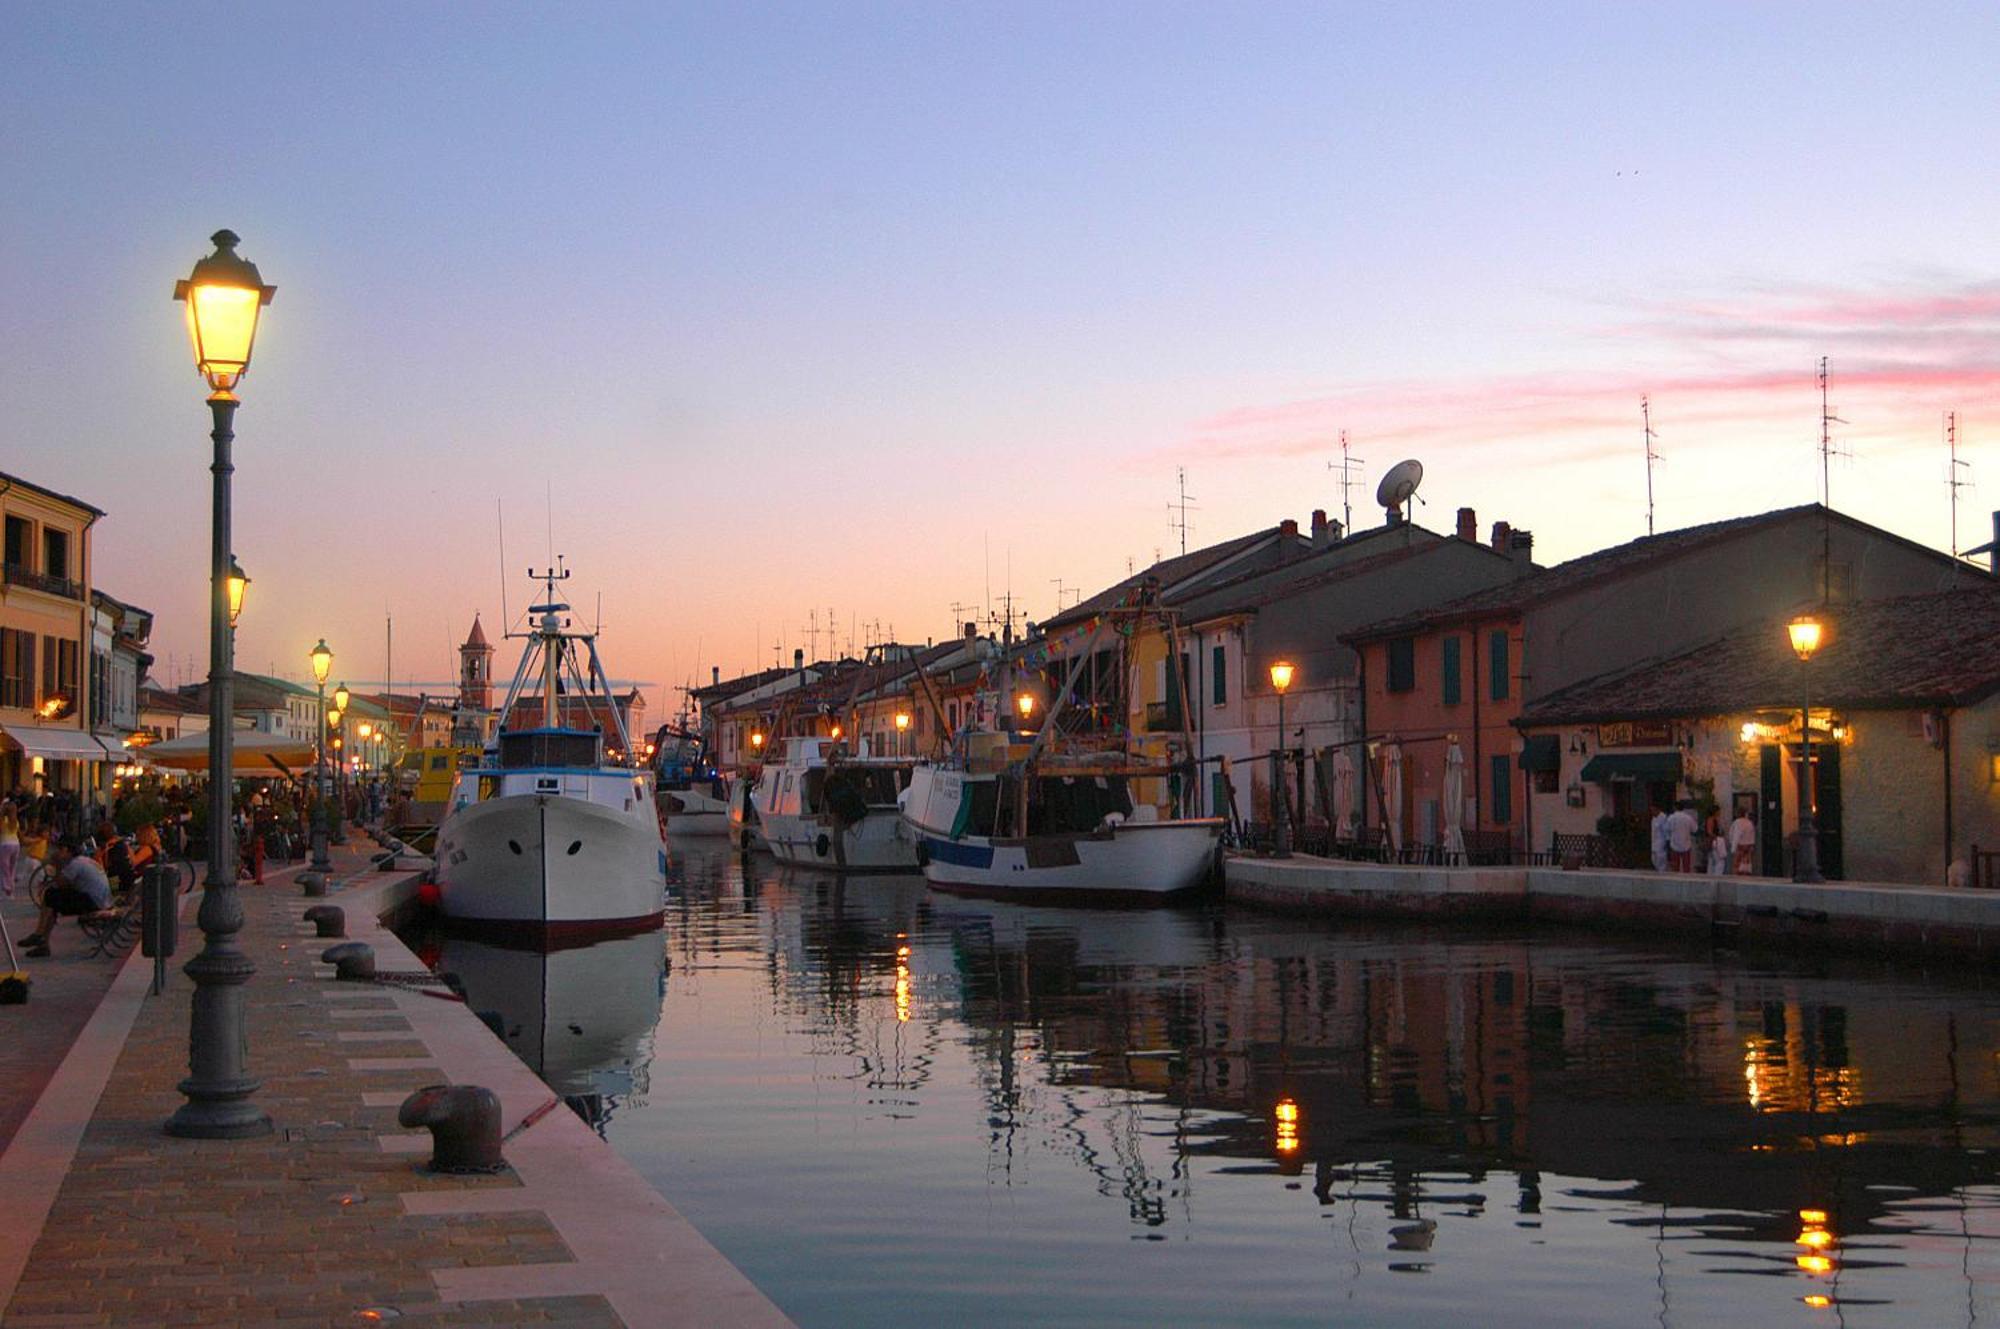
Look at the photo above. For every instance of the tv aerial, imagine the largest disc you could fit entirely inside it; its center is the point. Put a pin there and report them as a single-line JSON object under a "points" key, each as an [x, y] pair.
{"points": [[1398, 487]]}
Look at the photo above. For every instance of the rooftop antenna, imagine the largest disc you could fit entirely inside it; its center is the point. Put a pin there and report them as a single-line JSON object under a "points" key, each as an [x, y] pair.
{"points": [[1398, 489], [1953, 482], [500, 516], [1827, 420], [1066, 595], [1646, 415], [812, 633], [1179, 508], [1349, 467]]}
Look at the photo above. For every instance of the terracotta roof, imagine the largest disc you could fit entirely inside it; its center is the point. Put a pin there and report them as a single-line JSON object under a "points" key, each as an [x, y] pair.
{"points": [[476, 637], [1587, 571], [1242, 595], [1941, 649]]}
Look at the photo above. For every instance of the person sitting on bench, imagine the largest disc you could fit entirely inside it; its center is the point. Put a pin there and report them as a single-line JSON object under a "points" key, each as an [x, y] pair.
{"points": [[80, 889]]}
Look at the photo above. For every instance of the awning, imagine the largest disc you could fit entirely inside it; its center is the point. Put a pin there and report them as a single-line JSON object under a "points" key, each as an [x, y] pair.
{"points": [[1640, 767], [1542, 752], [54, 743], [252, 753]]}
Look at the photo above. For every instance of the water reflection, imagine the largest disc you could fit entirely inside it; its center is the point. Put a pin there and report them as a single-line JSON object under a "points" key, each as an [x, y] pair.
{"points": [[581, 1018], [870, 1095]]}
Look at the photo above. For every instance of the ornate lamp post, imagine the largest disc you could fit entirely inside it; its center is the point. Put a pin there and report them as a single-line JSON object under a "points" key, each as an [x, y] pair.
{"points": [[341, 697], [322, 663], [1281, 800], [1806, 633], [223, 296]]}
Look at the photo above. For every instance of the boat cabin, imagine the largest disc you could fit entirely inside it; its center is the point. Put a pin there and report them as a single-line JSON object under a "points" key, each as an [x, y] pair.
{"points": [[1059, 804]]}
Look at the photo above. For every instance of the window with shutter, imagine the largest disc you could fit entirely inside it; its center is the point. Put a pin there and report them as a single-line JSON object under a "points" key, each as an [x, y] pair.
{"points": [[1497, 672], [1403, 664], [1450, 666]]}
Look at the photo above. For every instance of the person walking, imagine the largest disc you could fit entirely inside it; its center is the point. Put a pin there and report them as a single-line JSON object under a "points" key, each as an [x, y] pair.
{"points": [[1715, 845], [1659, 833], [10, 846], [1742, 843], [1681, 828]]}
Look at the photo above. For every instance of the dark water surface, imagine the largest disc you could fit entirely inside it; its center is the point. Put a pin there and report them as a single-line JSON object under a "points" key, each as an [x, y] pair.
{"points": [[890, 1106]]}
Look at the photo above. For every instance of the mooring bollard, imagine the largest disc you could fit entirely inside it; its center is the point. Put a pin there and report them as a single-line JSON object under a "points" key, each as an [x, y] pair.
{"points": [[352, 961], [330, 919], [312, 883], [464, 1122]]}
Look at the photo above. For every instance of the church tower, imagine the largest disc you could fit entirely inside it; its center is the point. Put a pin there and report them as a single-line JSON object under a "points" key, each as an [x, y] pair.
{"points": [[475, 671]]}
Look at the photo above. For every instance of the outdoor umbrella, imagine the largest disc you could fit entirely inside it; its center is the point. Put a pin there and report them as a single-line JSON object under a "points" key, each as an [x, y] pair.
{"points": [[1392, 793], [252, 753], [1454, 801], [1343, 795]]}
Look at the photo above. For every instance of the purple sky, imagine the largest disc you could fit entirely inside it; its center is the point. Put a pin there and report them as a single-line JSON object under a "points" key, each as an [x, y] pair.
{"points": [[824, 306]]}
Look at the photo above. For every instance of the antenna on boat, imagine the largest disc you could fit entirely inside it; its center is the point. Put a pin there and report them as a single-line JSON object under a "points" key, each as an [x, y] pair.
{"points": [[500, 516]]}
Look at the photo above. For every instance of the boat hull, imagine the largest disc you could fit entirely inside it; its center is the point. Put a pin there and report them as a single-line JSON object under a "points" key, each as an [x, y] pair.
{"points": [[693, 812], [878, 842], [543, 861], [1148, 860]]}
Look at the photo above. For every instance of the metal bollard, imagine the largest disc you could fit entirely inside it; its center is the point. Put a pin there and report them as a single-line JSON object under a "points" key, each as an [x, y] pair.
{"points": [[352, 961], [464, 1122], [330, 919], [312, 883]]}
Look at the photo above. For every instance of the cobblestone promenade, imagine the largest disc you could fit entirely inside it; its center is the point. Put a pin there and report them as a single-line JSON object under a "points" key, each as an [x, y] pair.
{"points": [[330, 1220]]}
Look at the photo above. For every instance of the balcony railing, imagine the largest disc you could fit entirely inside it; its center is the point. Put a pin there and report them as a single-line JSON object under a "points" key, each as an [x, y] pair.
{"points": [[16, 575]]}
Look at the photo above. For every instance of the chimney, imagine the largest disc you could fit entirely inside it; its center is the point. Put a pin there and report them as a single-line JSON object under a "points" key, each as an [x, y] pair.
{"points": [[714, 675], [1502, 536], [1468, 526], [1288, 528], [972, 632], [1319, 526], [799, 662], [1521, 548]]}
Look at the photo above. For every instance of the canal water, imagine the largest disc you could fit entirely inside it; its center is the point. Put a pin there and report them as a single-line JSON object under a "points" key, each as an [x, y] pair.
{"points": [[892, 1106]]}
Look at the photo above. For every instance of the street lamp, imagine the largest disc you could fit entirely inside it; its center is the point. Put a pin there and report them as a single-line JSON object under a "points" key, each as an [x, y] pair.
{"points": [[1281, 805], [322, 665], [1806, 634], [223, 297], [338, 719], [239, 582], [902, 732]]}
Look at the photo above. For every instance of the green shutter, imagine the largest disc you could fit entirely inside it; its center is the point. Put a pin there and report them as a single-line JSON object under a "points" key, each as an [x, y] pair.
{"points": [[1503, 790], [1498, 642], [1451, 671], [1219, 688]]}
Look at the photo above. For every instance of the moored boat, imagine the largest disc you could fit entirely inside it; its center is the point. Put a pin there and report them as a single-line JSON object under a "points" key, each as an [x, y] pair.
{"points": [[820, 806], [693, 796], [546, 832]]}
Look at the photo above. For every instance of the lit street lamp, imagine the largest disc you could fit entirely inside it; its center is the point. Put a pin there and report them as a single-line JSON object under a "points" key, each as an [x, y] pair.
{"points": [[239, 582], [322, 663], [338, 720], [1281, 801], [902, 733], [1806, 634], [223, 296]]}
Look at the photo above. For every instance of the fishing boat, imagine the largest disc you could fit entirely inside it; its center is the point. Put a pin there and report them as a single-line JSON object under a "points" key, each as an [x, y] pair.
{"points": [[820, 806], [1020, 809], [549, 831], [693, 796], [746, 831]]}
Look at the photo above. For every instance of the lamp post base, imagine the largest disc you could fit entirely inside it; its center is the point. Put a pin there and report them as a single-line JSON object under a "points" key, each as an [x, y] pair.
{"points": [[1805, 861], [214, 1118]]}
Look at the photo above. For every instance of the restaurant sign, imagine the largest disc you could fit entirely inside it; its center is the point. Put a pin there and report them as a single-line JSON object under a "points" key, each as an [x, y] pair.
{"points": [[1636, 734]]}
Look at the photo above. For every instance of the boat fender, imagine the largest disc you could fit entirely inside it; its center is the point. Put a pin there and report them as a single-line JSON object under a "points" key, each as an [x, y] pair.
{"points": [[821, 845], [464, 1122], [330, 919], [352, 961]]}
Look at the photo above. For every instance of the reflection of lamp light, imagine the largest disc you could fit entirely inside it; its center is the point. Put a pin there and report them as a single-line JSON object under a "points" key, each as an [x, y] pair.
{"points": [[1286, 1115]]}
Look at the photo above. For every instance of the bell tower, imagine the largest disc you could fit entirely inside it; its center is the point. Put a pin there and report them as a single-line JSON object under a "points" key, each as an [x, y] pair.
{"points": [[475, 670]]}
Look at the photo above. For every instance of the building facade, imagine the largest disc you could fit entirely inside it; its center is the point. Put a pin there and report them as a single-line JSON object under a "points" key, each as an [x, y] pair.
{"points": [[46, 742]]}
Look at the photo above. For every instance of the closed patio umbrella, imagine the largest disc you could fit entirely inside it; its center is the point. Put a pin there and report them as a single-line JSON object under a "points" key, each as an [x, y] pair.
{"points": [[1392, 793], [1454, 801], [1343, 795]]}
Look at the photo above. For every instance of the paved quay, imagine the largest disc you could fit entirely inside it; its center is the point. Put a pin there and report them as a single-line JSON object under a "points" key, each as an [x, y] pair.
{"points": [[1872, 917], [331, 1220]]}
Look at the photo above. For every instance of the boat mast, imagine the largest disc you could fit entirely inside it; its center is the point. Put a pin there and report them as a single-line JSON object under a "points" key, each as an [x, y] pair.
{"points": [[549, 633]]}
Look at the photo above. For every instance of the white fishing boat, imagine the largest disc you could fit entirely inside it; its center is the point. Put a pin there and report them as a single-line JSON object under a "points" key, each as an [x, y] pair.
{"points": [[746, 832], [1084, 836], [1027, 808], [549, 832], [822, 807], [694, 798]]}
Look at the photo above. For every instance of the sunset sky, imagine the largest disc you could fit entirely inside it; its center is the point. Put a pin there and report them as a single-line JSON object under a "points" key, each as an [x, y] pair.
{"points": [[753, 311]]}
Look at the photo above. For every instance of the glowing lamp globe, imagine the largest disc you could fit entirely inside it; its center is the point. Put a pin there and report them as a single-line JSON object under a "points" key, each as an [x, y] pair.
{"points": [[322, 661], [1281, 675], [902, 721], [1025, 704], [1806, 634], [223, 296], [340, 696], [239, 582], [364, 731], [757, 741]]}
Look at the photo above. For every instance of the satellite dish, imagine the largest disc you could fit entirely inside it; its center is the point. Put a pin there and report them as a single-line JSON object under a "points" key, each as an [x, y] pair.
{"points": [[1399, 486]]}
